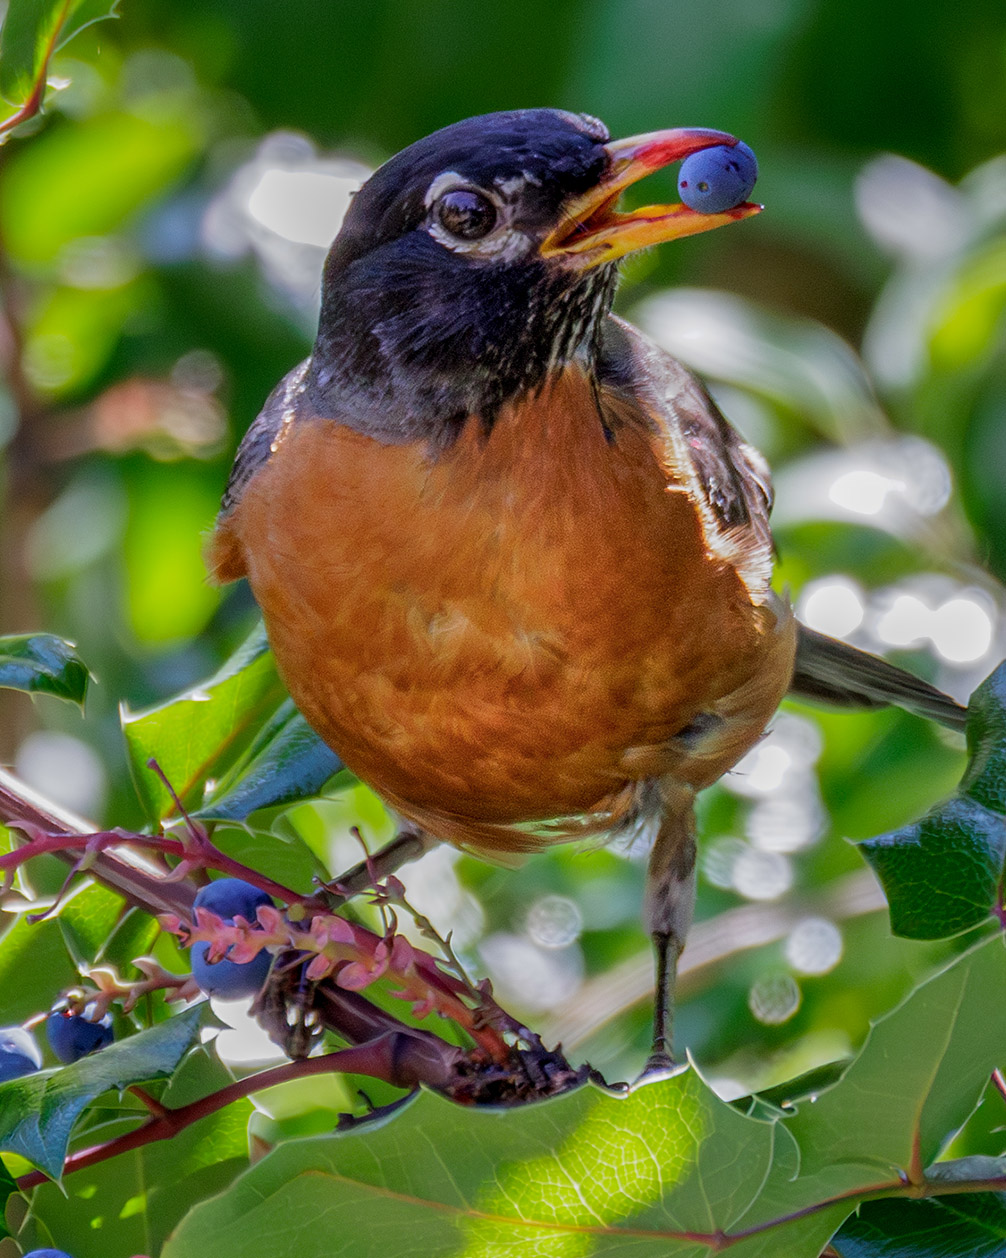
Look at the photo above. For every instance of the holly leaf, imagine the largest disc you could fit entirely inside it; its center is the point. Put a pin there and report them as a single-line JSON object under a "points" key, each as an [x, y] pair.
{"points": [[287, 761], [38, 1111], [41, 663], [128, 1204], [942, 875], [667, 1171], [199, 734], [35, 29], [965, 1225], [918, 1077]]}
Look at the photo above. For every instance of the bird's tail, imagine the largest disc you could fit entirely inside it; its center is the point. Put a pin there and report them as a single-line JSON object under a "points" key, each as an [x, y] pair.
{"points": [[834, 672]]}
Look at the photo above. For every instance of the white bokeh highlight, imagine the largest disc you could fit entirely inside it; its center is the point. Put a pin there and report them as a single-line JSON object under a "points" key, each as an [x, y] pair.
{"points": [[774, 999], [834, 605], [814, 946]]}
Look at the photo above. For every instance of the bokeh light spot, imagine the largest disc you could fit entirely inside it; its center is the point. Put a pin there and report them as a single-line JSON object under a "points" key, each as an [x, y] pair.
{"points": [[814, 946], [832, 605], [774, 999]]}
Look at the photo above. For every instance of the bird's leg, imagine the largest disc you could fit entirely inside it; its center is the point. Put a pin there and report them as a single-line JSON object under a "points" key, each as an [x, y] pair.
{"points": [[408, 845], [669, 903]]}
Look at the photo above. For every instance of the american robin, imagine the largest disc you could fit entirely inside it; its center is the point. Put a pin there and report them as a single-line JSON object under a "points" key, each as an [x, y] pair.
{"points": [[513, 562]]}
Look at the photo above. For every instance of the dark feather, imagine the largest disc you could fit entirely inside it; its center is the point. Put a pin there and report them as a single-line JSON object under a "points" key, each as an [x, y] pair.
{"points": [[259, 442], [834, 672]]}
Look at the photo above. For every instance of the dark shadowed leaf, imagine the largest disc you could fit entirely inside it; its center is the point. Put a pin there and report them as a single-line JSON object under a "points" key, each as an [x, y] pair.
{"points": [[965, 1225], [41, 663], [942, 874], [287, 761], [985, 779]]}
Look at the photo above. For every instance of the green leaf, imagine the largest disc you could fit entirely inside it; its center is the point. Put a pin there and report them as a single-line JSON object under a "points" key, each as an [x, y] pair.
{"points": [[985, 779], [88, 918], [38, 950], [942, 875], [964, 1225], [563, 1177], [33, 30], [921, 1072], [7, 1186], [37, 1112], [665, 1171], [129, 1204], [41, 663], [197, 735], [286, 762], [283, 857]]}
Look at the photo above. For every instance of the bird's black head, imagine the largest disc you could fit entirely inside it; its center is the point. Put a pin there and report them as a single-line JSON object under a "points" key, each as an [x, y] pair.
{"points": [[479, 258]]}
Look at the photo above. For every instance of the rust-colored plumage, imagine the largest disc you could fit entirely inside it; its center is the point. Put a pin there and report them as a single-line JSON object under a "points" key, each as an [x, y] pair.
{"points": [[512, 632]]}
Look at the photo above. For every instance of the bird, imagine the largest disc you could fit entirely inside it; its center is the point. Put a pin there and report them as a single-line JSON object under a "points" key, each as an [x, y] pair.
{"points": [[514, 564]]}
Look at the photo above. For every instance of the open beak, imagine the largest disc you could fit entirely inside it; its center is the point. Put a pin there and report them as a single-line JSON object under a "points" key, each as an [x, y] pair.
{"points": [[593, 232]]}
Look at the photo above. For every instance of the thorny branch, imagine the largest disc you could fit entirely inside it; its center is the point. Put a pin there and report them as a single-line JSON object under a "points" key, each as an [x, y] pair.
{"points": [[507, 1062]]}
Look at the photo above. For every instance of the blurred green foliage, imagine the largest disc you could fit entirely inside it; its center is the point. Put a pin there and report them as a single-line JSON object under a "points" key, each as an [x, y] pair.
{"points": [[856, 329]]}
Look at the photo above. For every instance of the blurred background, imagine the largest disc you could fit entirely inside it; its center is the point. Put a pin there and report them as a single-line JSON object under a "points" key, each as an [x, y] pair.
{"points": [[161, 238]]}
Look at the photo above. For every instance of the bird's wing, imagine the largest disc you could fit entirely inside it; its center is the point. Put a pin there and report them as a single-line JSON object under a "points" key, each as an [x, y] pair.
{"points": [[727, 480], [834, 672], [262, 437]]}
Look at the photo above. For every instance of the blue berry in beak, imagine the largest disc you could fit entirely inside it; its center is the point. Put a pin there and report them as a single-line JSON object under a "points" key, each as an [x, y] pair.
{"points": [[717, 179]]}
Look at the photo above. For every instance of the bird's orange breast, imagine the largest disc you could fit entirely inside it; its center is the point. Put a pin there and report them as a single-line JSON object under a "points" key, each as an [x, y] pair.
{"points": [[510, 631]]}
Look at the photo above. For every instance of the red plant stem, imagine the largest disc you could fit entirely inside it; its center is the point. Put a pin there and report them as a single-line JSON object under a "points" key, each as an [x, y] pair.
{"points": [[141, 884], [113, 861], [379, 1058], [33, 103], [69, 839]]}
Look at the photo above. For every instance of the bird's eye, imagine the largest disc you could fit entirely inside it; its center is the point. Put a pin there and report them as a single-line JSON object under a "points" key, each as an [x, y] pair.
{"points": [[466, 214]]}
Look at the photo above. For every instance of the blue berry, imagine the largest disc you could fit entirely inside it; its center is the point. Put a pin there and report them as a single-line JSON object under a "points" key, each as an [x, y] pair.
{"points": [[717, 179], [72, 1036], [230, 898], [47, 1253], [230, 980], [19, 1053]]}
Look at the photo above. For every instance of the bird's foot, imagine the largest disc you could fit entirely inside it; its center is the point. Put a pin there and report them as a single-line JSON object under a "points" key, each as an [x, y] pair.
{"points": [[660, 1065]]}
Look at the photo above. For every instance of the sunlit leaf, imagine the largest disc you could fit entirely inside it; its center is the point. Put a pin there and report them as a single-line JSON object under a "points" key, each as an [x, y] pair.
{"points": [[572, 1172], [33, 30], [198, 734], [38, 1112], [41, 663], [7, 1186], [667, 1170]]}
